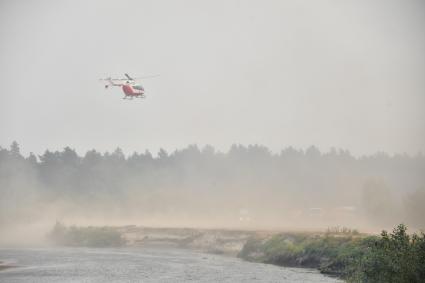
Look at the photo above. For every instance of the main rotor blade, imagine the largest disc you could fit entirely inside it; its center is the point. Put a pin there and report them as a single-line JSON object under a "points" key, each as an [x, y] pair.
{"points": [[113, 79], [129, 78], [146, 77]]}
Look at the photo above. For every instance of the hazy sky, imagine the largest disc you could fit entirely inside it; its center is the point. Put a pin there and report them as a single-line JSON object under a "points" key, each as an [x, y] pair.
{"points": [[348, 74]]}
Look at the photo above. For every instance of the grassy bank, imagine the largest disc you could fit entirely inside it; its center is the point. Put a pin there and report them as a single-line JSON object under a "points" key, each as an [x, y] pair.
{"points": [[395, 257], [331, 253]]}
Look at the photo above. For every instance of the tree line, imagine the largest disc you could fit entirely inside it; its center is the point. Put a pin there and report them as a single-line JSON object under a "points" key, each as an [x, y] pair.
{"points": [[380, 188]]}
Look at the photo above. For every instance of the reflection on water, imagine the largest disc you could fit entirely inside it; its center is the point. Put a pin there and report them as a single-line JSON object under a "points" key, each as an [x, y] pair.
{"points": [[142, 265]]}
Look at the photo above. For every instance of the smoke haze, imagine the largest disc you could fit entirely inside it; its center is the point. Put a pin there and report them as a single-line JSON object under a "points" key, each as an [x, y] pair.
{"points": [[345, 74], [261, 81], [244, 188]]}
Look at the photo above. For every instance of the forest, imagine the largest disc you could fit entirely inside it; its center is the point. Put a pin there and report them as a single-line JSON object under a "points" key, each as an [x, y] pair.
{"points": [[245, 187]]}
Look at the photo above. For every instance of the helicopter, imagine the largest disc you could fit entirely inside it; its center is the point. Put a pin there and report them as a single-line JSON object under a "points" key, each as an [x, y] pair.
{"points": [[129, 85]]}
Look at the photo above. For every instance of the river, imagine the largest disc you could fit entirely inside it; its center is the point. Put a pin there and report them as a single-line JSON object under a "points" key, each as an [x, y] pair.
{"points": [[141, 265]]}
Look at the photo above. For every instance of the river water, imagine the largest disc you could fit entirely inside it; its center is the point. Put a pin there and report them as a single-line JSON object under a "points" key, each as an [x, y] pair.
{"points": [[141, 265]]}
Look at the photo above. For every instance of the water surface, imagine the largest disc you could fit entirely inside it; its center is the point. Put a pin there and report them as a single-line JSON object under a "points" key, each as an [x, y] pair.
{"points": [[142, 265]]}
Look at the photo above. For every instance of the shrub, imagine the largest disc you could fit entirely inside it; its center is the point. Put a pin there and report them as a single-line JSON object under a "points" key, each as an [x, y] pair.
{"points": [[395, 257], [86, 236]]}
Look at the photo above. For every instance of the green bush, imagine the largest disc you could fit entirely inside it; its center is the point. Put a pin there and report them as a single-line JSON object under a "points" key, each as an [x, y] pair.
{"points": [[86, 236], [395, 257]]}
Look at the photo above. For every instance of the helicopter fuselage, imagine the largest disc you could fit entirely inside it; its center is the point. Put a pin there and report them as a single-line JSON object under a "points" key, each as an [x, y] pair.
{"points": [[133, 89]]}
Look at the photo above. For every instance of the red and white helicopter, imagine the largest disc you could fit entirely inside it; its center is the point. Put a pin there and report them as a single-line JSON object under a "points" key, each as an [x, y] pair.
{"points": [[129, 86]]}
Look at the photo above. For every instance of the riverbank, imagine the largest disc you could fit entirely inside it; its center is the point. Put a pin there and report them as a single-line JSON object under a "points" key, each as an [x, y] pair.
{"points": [[217, 241], [331, 253], [318, 250], [390, 257], [343, 253]]}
